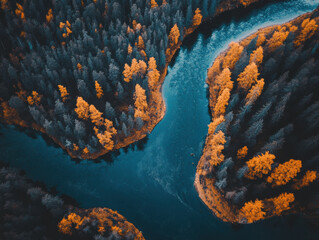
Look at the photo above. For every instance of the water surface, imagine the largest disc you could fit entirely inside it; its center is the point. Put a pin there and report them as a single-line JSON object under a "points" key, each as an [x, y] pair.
{"points": [[152, 186]]}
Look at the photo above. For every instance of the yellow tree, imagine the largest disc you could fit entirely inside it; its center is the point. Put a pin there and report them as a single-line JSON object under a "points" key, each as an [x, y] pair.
{"points": [[98, 89], [261, 39], [127, 73], [232, 56], [308, 178], [221, 82], [257, 56], [140, 43], [105, 138], [309, 28], [142, 67], [152, 74], [222, 102], [277, 39], [35, 98], [153, 4], [212, 126], [213, 70], [140, 103], [82, 108], [248, 77], [255, 92], [216, 146], [49, 16], [253, 211], [282, 202], [95, 116], [174, 35], [285, 172], [63, 92], [242, 152], [260, 165], [197, 18], [129, 49]]}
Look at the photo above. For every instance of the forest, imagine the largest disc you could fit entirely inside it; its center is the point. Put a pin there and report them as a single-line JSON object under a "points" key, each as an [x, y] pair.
{"points": [[261, 154], [29, 211], [89, 72]]}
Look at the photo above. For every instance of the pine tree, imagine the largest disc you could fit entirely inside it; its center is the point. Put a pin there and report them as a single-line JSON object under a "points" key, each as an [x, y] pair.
{"points": [[82, 108], [99, 90]]}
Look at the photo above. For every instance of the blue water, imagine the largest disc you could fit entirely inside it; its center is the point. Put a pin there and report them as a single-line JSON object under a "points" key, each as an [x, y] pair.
{"points": [[152, 186]]}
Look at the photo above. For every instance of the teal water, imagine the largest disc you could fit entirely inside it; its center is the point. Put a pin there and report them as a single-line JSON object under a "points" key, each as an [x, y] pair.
{"points": [[151, 183]]}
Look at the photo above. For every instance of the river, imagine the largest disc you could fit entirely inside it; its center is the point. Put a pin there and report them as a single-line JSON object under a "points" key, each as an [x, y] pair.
{"points": [[151, 183]]}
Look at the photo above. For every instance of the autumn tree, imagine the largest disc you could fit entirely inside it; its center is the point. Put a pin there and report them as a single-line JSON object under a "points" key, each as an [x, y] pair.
{"points": [[153, 4], [242, 152], [98, 89], [214, 70], [277, 39], [222, 102], [221, 82], [253, 211], [82, 108], [216, 121], [232, 56], [285, 172], [129, 49], [20, 11], [140, 43], [257, 56], [153, 74], [282, 202], [261, 39], [49, 16], [140, 103], [127, 73], [216, 146], [248, 77], [63, 92], [197, 18], [174, 35], [309, 28], [35, 98], [105, 137], [308, 178], [95, 116], [255, 92], [260, 165]]}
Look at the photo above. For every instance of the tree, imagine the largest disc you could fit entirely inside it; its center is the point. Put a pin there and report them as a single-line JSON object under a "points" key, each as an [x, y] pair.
{"points": [[129, 49], [127, 73], [221, 82], [174, 35], [82, 108], [257, 56], [140, 43], [260, 165], [282, 202], [255, 92], [216, 146], [98, 89], [63, 92], [285, 172], [308, 178], [277, 39], [253, 211], [95, 116], [216, 121], [261, 39], [242, 152], [248, 77], [232, 56], [222, 102], [49, 16], [197, 18], [309, 28], [140, 103], [153, 4], [153, 74], [105, 138], [35, 98]]}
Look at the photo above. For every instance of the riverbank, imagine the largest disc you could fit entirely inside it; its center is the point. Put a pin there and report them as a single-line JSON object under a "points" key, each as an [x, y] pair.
{"points": [[217, 195]]}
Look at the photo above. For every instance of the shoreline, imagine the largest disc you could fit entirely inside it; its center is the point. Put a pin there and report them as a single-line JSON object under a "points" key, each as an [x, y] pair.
{"points": [[212, 197]]}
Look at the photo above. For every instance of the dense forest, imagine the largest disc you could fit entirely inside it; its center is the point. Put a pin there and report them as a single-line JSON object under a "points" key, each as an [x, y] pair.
{"points": [[261, 155], [28, 211], [89, 72]]}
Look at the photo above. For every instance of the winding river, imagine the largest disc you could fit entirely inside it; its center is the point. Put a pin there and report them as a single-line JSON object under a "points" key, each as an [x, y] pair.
{"points": [[151, 183]]}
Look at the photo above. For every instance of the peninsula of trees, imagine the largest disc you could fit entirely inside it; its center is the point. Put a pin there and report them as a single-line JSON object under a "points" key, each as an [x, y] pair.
{"points": [[28, 211], [261, 157], [89, 72]]}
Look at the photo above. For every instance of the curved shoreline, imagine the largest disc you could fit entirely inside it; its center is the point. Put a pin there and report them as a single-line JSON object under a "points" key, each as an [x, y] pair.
{"points": [[209, 194], [156, 103]]}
